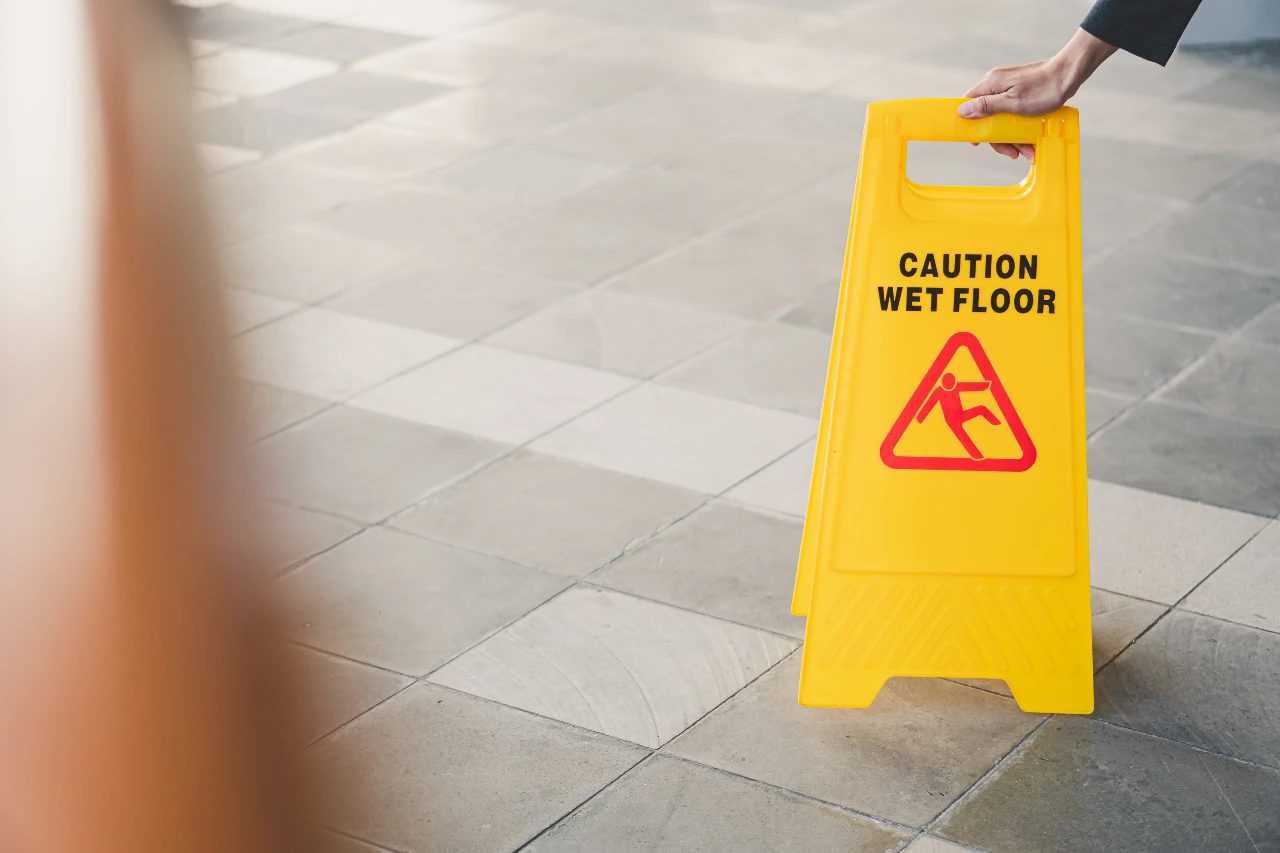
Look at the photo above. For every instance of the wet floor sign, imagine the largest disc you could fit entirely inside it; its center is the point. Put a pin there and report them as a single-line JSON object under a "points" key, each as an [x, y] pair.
{"points": [[947, 530]]}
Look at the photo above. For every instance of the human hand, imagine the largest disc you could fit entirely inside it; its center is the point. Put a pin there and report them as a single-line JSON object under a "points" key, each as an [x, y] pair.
{"points": [[1035, 88]]}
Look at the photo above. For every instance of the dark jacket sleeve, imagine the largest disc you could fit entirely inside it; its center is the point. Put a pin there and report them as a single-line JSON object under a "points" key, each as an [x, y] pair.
{"points": [[1149, 29]]}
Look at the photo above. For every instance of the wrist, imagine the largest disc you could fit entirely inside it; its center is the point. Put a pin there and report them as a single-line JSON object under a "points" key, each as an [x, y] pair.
{"points": [[1077, 61]]}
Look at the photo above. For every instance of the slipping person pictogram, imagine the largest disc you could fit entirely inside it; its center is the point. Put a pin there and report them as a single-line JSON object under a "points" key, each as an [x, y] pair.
{"points": [[947, 397]]}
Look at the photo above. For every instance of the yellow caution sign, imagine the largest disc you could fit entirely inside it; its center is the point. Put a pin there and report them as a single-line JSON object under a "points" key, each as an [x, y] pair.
{"points": [[947, 527]]}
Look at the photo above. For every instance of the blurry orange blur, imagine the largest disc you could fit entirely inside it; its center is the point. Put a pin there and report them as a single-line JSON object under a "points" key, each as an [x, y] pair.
{"points": [[144, 708]]}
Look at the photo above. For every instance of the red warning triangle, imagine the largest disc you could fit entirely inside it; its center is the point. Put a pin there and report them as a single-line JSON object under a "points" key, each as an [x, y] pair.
{"points": [[931, 393]]}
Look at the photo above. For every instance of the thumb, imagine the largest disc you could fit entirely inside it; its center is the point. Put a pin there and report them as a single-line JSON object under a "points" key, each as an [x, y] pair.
{"points": [[987, 105]]}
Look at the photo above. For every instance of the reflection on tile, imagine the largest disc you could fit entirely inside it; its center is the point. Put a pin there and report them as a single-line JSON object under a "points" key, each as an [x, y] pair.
{"points": [[615, 664], [667, 804], [680, 438], [615, 332], [1158, 547], [725, 561], [1245, 589], [489, 392], [548, 514], [1082, 785], [391, 599], [367, 466], [443, 771], [906, 758], [1201, 681]]}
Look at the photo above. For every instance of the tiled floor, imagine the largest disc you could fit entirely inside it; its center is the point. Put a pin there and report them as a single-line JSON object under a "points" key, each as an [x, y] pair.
{"points": [[535, 298]]}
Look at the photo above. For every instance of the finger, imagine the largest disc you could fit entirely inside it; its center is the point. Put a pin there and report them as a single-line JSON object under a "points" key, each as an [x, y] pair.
{"points": [[1007, 149], [987, 105], [1026, 150], [991, 83]]}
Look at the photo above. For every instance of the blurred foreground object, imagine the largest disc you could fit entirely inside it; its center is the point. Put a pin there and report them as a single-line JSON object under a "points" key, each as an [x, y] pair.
{"points": [[143, 710]]}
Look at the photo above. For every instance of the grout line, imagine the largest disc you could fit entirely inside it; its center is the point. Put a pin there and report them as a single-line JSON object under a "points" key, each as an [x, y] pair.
{"points": [[883, 821], [990, 774], [1195, 747], [569, 815]]}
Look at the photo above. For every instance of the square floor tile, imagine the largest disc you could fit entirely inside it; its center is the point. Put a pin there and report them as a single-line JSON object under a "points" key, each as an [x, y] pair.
{"points": [[217, 158], [906, 758], [756, 269], [660, 197], [680, 438], [230, 22], [571, 81], [367, 466], [784, 485], [1112, 219], [1127, 793], [437, 18], [768, 364], [272, 409], [355, 91], [1265, 328], [1133, 357], [526, 175], [565, 248], [1247, 587], [1223, 233], [248, 310], [1187, 293], [337, 690], [443, 771], [248, 72], [298, 534], [383, 152], [1201, 681], [1101, 407], [1182, 452], [307, 262], [483, 115], [1117, 621], [492, 393], [417, 219], [1157, 547], [1237, 379], [667, 805], [452, 62], [392, 600], [1257, 186], [1162, 170], [266, 128], [327, 354], [542, 30], [619, 665], [818, 311], [724, 560], [770, 164], [929, 844], [449, 300], [336, 43], [272, 193], [615, 332], [549, 514]]}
